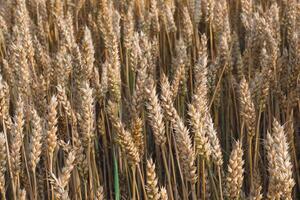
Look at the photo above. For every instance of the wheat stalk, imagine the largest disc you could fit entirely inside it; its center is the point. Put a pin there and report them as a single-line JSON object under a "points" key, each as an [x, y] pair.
{"points": [[2, 164]]}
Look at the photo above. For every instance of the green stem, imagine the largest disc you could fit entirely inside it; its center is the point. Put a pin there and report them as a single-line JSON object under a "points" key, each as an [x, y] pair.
{"points": [[116, 178]]}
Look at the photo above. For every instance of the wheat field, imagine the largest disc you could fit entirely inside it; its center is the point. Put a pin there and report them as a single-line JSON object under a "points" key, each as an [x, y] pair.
{"points": [[149, 99]]}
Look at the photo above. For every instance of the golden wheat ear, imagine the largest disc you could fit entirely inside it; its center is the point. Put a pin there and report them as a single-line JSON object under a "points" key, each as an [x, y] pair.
{"points": [[51, 136], [201, 140], [280, 166], [247, 107], [152, 181], [235, 172], [17, 140], [100, 193], [155, 114]]}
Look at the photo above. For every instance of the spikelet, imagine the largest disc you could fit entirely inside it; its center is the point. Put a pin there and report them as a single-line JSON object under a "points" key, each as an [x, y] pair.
{"points": [[60, 192], [22, 194], [63, 64], [114, 79], [168, 19], [78, 75], [17, 139], [246, 7], [247, 11], [52, 126], [22, 24], [166, 98], [86, 115], [187, 27], [40, 94], [273, 191], [141, 76], [42, 23], [65, 103], [116, 25], [185, 149], [87, 54], [4, 104], [41, 55], [191, 7], [111, 43], [7, 73], [2, 163], [202, 144], [67, 169], [219, 19], [290, 19], [104, 81], [104, 21], [224, 51], [163, 194], [208, 6], [214, 141], [152, 182], [280, 166], [81, 160], [36, 140], [134, 53], [21, 69], [128, 24], [100, 194], [124, 138], [153, 57], [59, 184], [212, 77], [180, 63], [247, 107], [154, 26], [155, 115], [138, 135], [235, 175], [4, 29], [261, 83], [199, 98], [256, 194], [66, 31]]}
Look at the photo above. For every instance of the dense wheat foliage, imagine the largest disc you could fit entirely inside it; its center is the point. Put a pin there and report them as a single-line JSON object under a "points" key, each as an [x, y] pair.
{"points": [[149, 99]]}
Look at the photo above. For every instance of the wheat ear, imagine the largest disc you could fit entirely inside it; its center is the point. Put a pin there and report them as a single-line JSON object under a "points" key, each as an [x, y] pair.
{"points": [[152, 182], [235, 175], [155, 115]]}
